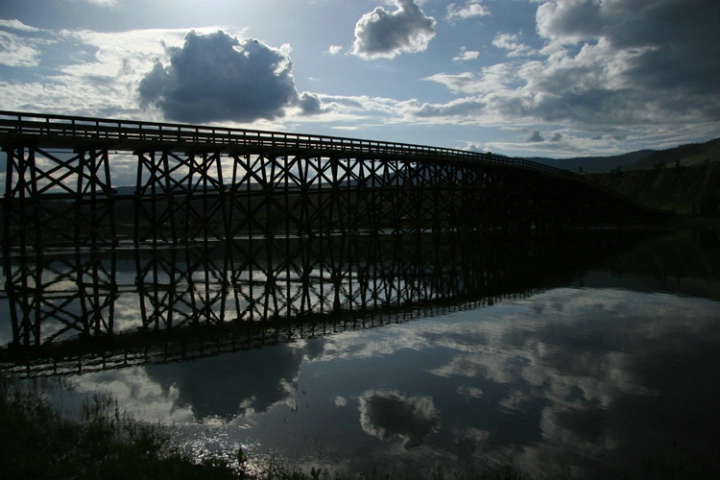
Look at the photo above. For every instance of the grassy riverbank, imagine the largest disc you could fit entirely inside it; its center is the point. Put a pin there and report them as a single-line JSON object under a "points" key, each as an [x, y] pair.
{"points": [[38, 442]]}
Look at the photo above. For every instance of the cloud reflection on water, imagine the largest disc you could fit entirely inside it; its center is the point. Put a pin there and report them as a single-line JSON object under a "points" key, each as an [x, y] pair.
{"points": [[387, 414], [586, 380]]}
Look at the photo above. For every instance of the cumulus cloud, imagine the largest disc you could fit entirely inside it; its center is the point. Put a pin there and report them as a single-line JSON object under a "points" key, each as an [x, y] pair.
{"points": [[387, 414], [383, 34], [217, 77], [310, 103], [469, 10], [639, 64], [664, 44], [474, 147]]}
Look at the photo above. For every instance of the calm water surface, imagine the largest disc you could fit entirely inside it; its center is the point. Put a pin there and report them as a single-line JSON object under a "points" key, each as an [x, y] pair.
{"points": [[611, 371]]}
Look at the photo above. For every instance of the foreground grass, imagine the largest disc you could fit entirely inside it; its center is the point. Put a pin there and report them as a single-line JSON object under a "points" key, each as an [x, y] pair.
{"points": [[38, 442]]}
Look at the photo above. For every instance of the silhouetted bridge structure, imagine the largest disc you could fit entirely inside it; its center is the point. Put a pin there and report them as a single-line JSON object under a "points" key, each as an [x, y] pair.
{"points": [[73, 309], [210, 182]]}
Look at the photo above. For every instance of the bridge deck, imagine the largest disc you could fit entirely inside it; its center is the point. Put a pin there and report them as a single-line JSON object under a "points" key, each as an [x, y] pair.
{"points": [[128, 135]]}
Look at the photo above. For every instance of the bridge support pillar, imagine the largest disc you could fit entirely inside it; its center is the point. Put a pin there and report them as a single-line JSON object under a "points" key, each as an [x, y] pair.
{"points": [[179, 197], [57, 196]]}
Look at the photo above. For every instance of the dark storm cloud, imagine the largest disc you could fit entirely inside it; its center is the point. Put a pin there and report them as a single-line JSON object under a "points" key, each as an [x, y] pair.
{"points": [[660, 47], [605, 64], [676, 41], [386, 34], [389, 414], [218, 77]]}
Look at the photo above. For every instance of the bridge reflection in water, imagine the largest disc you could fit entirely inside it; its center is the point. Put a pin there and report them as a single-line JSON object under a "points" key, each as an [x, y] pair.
{"points": [[80, 310], [242, 238]]}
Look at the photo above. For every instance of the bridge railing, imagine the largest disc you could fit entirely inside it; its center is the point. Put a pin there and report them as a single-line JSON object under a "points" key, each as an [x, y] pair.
{"points": [[122, 133]]}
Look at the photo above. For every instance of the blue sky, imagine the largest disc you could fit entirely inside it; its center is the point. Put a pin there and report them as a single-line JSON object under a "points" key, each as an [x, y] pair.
{"points": [[552, 78]]}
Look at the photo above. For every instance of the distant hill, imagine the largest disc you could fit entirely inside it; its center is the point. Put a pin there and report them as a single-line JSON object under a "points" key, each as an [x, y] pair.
{"points": [[684, 155], [693, 189], [596, 164], [125, 190]]}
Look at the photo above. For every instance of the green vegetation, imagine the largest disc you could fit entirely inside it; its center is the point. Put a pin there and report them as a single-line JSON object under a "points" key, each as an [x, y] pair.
{"points": [[682, 156], [684, 180], [691, 154], [37, 441], [686, 190]]}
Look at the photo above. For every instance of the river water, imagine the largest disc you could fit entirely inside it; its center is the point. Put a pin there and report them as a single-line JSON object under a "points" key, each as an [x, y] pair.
{"points": [[593, 356]]}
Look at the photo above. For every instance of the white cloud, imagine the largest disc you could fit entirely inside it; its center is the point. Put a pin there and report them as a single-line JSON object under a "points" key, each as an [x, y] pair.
{"points": [[510, 42], [22, 45], [101, 3], [474, 147], [383, 34], [82, 72], [638, 53], [140, 396], [467, 107], [603, 64], [491, 80], [639, 66], [471, 9], [571, 20], [15, 24], [16, 51], [466, 55]]}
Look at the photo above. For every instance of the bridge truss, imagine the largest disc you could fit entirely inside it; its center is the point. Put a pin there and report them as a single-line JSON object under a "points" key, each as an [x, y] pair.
{"points": [[195, 182]]}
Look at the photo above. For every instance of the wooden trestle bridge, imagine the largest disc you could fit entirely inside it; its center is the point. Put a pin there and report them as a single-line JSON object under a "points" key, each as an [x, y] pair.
{"points": [[285, 234], [200, 182]]}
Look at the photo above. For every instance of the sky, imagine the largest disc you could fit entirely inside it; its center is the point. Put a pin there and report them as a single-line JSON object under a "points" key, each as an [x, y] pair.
{"points": [[552, 78]]}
